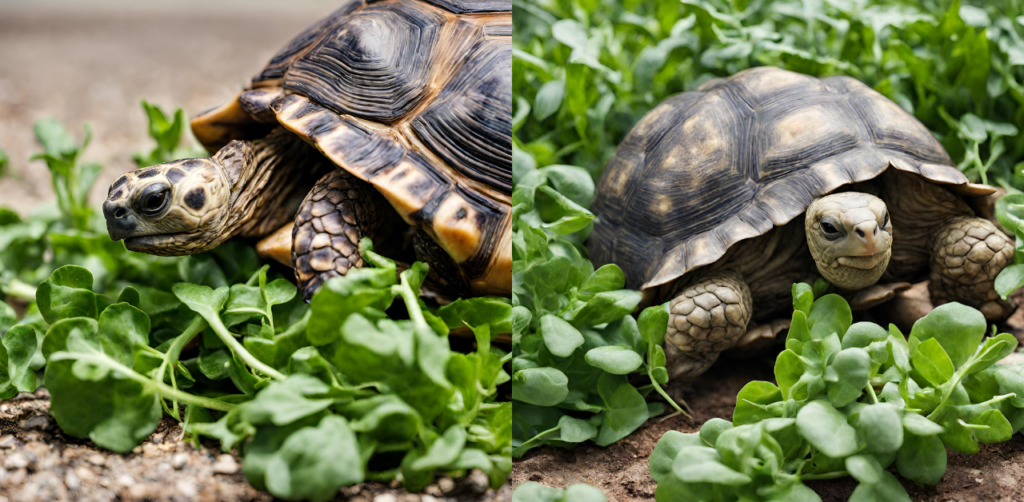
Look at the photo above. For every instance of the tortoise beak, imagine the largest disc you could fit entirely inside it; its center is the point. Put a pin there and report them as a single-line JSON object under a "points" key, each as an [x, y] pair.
{"points": [[120, 224]]}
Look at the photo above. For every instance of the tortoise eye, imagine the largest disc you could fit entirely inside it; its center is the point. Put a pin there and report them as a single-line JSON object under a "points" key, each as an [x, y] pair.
{"points": [[885, 222], [153, 202], [830, 230]]}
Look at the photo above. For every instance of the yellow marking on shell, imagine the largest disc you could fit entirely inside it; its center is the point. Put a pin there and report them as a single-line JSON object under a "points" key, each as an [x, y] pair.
{"points": [[497, 279], [219, 126], [662, 205], [455, 225], [804, 128], [766, 80], [277, 245], [396, 185]]}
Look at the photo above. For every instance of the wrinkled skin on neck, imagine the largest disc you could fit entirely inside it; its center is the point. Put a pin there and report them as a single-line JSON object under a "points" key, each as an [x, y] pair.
{"points": [[849, 235]]}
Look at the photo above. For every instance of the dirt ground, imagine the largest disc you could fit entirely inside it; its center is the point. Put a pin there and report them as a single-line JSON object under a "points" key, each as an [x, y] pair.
{"points": [[622, 471]]}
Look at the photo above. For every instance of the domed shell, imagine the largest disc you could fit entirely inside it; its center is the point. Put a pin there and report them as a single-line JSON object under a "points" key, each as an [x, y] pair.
{"points": [[706, 169], [414, 97]]}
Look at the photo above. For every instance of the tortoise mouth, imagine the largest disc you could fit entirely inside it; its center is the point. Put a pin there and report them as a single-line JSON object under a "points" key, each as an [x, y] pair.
{"points": [[863, 262], [158, 244]]}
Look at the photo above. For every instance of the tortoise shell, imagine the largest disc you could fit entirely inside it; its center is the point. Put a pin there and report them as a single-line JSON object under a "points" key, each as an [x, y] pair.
{"points": [[414, 97], [737, 157]]}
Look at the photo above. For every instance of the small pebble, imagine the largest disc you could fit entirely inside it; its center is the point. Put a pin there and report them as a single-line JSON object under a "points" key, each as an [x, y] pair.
{"points": [[432, 490], [158, 438], [72, 481], [8, 442], [16, 460], [477, 481], [429, 498], [385, 497], [17, 477], [179, 460], [186, 488], [35, 422], [225, 465], [447, 485], [125, 480], [96, 459]]}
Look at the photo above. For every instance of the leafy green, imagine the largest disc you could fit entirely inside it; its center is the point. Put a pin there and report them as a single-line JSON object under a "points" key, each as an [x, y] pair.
{"points": [[827, 419], [168, 135]]}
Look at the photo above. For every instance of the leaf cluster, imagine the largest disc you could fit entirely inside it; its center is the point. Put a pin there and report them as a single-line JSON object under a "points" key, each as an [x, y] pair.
{"points": [[852, 400], [315, 396], [168, 133], [532, 491], [575, 343]]}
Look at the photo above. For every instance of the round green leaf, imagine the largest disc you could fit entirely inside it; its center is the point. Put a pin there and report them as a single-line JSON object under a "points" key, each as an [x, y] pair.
{"points": [[614, 359], [922, 459], [560, 337], [826, 429], [540, 386], [881, 428], [957, 328]]}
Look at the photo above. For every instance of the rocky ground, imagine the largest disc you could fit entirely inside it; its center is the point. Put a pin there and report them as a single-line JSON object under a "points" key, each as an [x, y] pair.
{"points": [[38, 463]]}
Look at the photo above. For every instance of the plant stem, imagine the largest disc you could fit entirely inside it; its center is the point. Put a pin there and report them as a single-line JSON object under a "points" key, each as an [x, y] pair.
{"points": [[826, 475], [161, 388], [871, 393], [413, 306], [20, 289], [236, 347], [174, 351]]}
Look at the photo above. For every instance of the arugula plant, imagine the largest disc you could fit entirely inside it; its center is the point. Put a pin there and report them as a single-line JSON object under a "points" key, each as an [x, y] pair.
{"points": [[316, 396], [575, 344], [168, 135], [852, 400]]}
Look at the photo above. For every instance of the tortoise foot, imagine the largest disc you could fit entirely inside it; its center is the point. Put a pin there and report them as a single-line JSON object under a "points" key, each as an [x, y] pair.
{"points": [[967, 255], [705, 318]]}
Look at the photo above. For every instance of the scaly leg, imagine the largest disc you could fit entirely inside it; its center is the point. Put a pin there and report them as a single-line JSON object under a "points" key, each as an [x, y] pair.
{"points": [[338, 212], [705, 318], [967, 254]]}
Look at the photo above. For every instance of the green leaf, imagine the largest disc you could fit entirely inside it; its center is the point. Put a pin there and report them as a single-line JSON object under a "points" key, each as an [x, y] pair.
{"points": [[574, 430], [864, 468], [876, 427], [560, 337], [711, 429], [666, 450], [66, 294], [21, 343], [829, 314], [1010, 279], [443, 451], [847, 376], [614, 359], [540, 386], [607, 307], [922, 458], [695, 464], [282, 403], [888, 489], [992, 351], [957, 328], [752, 401], [549, 99], [627, 409], [826, 429], [314, 462], [932, 362], [863, 334], [920, 426]]}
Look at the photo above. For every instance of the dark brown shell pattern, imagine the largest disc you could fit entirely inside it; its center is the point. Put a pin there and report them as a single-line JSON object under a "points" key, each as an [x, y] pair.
{"points": [[706, 169]]}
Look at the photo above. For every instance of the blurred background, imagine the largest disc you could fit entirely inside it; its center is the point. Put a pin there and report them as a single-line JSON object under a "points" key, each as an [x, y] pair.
{"points": [[93, 61]]}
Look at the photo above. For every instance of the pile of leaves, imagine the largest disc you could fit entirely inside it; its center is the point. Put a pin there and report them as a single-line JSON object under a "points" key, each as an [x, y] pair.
{"points": [[575, 344], [358, 385], [852, 400]]}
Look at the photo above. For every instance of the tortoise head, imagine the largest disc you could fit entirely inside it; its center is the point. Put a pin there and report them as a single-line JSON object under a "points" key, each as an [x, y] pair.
{"points": [[850, 237], [176, 208]]}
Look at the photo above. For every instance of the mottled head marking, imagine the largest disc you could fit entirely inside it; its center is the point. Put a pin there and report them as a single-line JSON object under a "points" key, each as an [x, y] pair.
{"points": [[850, 237], [179, 207]]}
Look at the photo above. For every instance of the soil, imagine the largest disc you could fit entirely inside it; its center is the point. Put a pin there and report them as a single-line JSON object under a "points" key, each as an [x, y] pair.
{"points": [[622, 471]]}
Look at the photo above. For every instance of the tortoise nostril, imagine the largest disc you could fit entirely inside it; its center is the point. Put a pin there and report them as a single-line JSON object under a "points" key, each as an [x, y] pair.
{"points": [[860, 232], [119, 212], [876, 231]]}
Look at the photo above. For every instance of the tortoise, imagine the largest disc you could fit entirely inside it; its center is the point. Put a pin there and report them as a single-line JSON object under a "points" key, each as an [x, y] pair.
{"points": [[389, 120], [719, 199]]}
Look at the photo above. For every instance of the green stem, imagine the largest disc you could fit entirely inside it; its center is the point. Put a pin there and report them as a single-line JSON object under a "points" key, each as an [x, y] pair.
{"points": [[236, 347], [871, 393], [826, 475], [413, 305], [20, 289], [174, 351], [540, 435], [650, 373], [161, 388]]}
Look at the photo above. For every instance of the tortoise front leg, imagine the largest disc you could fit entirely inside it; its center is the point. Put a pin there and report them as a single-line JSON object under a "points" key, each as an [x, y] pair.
{"points": [[967, 255], [705, 318], [338, 212]]}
